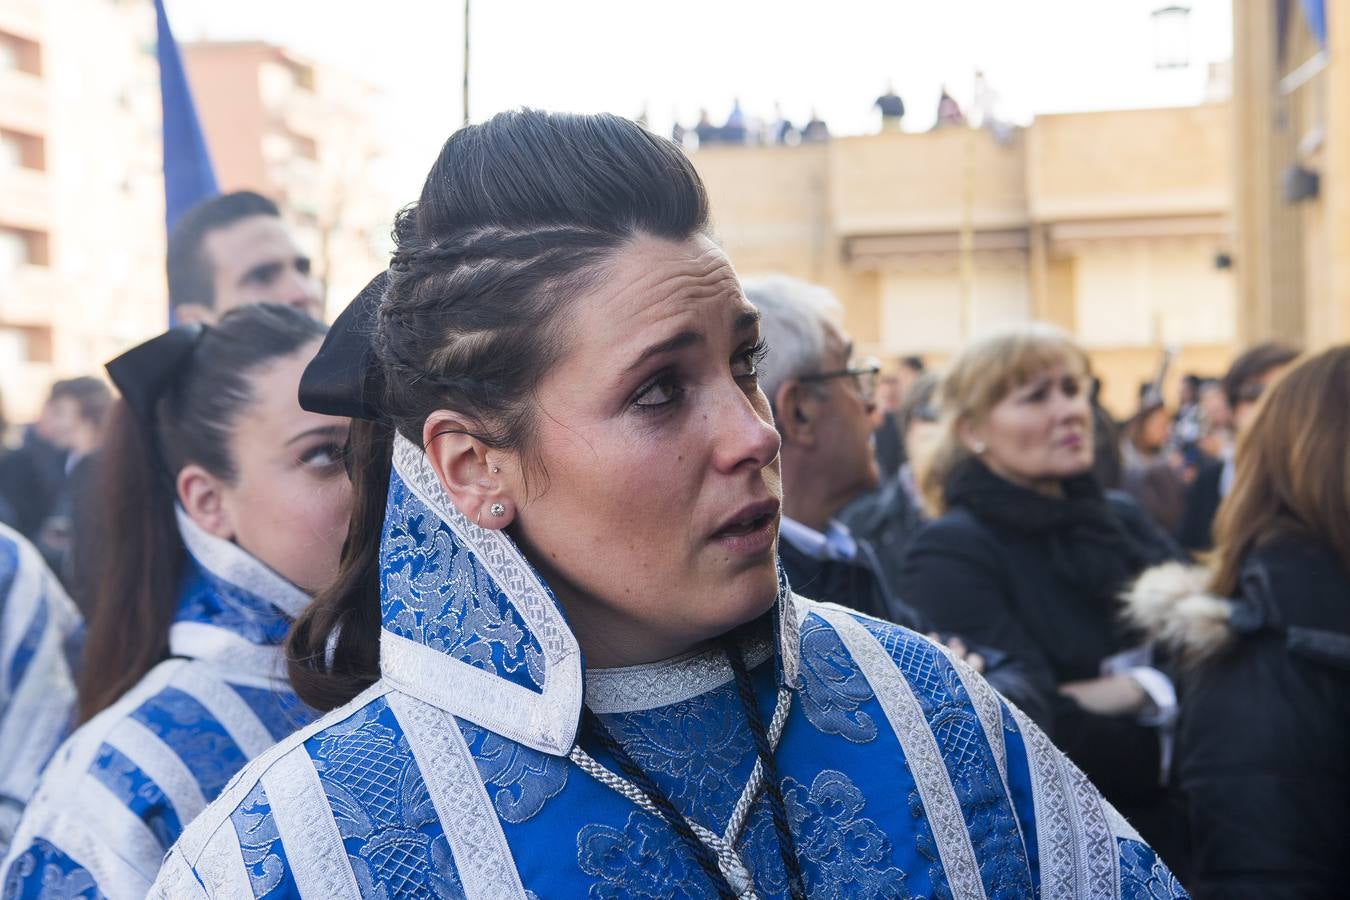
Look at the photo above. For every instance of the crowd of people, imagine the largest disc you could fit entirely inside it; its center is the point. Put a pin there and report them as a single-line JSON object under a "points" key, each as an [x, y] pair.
{"points": [[566, 563]]}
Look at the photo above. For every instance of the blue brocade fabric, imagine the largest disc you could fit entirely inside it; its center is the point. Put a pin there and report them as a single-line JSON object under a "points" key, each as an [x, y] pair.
{"points": [[119, 791], [40, 631], [902, 774]]}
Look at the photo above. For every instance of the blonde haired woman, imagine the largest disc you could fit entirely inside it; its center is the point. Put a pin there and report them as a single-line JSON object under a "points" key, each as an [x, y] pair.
{"points": [[1027, 554], [1263, 745]]}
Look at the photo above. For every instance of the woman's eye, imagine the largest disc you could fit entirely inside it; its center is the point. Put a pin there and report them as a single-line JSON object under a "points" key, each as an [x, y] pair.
{"points": [[1038, 395], [662, 390], [746, 363], [1070, 387], [322, 456]]}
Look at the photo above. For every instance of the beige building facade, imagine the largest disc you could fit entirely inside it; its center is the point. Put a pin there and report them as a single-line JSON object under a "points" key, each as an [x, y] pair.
{"points": [[1116, 226], [81, 191], [1291, 104]]}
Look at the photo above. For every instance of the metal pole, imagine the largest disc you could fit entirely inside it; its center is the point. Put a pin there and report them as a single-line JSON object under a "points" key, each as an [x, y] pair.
{"points": [[466, 62]]}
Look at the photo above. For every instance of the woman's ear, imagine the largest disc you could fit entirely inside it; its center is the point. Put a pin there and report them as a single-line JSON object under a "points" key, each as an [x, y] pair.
{"points": [[461, 462], [203, 498], [971, 436]]}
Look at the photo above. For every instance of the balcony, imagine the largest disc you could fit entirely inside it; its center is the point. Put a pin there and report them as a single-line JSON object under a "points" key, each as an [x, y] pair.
{"points": [[25, 198], [23, 102], [22, 18]]}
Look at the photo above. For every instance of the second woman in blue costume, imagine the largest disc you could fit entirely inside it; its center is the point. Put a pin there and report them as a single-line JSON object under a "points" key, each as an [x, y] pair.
{"points": [[225, 506]]}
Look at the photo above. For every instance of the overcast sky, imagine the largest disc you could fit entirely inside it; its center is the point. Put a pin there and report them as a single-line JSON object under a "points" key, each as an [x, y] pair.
{"points": [[672, 58]]}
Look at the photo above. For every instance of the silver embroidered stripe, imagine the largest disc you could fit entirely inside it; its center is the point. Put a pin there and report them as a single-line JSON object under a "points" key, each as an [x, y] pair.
{"points": [[921, 751]]}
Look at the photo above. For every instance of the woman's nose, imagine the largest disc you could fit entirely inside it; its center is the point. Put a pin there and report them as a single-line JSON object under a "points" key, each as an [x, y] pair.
{"points": [[745, 434]]}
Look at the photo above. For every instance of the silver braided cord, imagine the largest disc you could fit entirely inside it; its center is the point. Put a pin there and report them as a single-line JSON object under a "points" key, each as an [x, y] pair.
{"points": [[728, 860]]}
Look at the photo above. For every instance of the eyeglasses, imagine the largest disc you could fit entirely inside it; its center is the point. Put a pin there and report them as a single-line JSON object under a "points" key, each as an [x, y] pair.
{"points": [[865, 375]]}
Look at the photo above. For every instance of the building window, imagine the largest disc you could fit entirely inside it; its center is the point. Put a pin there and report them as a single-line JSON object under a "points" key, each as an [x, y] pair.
{"points": [[20, 54], [22, 150], [21, 247], [26, 343]]}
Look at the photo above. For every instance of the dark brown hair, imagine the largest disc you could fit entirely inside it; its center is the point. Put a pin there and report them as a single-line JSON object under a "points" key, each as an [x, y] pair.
{"points": [[135, 568], [1292, 474], [517, 216], [1251, 365]]}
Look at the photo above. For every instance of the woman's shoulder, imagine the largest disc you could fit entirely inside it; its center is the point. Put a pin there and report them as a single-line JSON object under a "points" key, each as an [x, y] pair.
{"points": [[1294, 592], [284, 782]]}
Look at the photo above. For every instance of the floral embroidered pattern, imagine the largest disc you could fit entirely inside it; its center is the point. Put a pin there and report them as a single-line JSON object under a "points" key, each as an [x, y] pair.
{"points": [[209, 599], [970, 764], [139, 793], [1143, 876], [524, 779], [383, 811], [700, 751], [190, 730], [643, 861], [833, 688], [843, 853], [260, 845], [44, 871], [436, 593]]}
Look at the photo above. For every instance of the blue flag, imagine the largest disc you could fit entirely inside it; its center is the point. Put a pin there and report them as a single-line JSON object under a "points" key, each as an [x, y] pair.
{"points": [[1315, 11], [188, 176]]}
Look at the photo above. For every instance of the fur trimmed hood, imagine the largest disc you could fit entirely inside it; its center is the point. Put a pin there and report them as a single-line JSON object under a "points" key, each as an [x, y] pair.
{"points": [[1171, 603]]}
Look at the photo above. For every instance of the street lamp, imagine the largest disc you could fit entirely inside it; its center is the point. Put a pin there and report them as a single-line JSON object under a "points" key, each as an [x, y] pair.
{"points": [[1172, 37]]}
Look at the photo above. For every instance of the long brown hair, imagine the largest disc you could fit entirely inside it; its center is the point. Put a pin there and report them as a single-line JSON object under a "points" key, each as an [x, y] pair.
{"points": [[1292, 476], [135, 567]]}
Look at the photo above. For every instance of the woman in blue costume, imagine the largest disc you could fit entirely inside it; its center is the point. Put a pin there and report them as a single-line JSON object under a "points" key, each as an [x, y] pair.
{"points": [[224, 506], [39, 632], [558, 656]]}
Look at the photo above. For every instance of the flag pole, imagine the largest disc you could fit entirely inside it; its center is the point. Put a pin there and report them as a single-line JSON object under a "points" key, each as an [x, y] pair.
{"points": [[466, 62]]}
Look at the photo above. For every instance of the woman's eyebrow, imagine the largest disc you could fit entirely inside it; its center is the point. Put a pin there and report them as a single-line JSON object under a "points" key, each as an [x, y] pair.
{"points": [[669, 345], [334, 431]]}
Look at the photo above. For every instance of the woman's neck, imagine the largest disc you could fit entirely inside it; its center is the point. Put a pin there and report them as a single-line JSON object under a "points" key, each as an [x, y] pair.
{"points": [[1046, 487]]}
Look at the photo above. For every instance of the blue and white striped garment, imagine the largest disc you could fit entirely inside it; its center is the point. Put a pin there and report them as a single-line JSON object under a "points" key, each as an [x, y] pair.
{"points": [[459, 773], [39, 635], [119, 792]]}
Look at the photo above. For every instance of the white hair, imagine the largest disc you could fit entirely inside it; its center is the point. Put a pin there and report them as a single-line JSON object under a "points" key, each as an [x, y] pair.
{"points": [[794, 316]]}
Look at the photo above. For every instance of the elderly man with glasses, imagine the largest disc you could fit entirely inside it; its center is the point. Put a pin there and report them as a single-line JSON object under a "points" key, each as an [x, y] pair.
{"points": [[822, 400]]}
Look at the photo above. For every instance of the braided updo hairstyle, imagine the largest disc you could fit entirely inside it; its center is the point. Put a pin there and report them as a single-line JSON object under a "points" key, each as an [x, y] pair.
{"points": [[518, 216]]}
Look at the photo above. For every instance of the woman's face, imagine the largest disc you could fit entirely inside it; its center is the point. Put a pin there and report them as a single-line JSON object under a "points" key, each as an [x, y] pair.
{"points": [[655, 516], [1041, 433], [289, 503]]}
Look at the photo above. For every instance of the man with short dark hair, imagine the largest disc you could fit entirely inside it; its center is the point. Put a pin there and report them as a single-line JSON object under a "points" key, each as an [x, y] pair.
{"points": [[1246, 380], [232, 250]]}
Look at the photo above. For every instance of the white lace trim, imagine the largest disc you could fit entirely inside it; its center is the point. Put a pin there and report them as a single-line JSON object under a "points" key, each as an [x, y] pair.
{"points": [[161, 764], [482, 855], [1077, 850], [232, 563], [317, 859], [221, 866], [233, 713], [220, 646], [921, 751], [546, 722], [635, 688]]}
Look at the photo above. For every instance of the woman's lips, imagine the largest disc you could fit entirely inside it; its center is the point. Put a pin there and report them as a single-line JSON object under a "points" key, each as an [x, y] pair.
{"points": [[751, 530]]}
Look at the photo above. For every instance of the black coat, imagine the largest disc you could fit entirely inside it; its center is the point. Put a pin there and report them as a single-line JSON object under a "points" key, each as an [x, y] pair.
{"points": [[997, 584], [1263, 745], [862, 586], [1196, 530]]}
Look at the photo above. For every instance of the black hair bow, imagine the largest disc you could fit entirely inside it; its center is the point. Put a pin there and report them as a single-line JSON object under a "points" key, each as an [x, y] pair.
{"points": [[144, 372], [343, 379]]}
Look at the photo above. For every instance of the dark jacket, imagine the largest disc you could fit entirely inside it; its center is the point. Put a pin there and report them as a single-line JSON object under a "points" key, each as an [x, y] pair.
{"points": [[1263, 743], [1001, 583], [858, 586], [1196, 531]]}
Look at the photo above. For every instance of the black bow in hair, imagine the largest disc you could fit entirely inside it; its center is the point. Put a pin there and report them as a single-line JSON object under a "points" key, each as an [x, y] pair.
{"points": [[144, 372], [343, 379]]}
